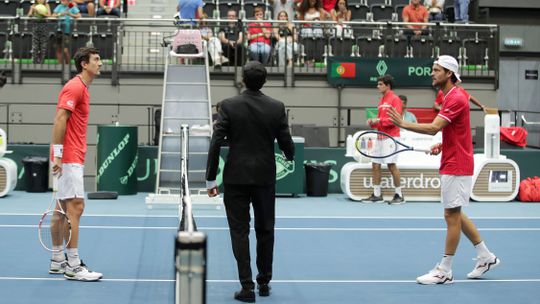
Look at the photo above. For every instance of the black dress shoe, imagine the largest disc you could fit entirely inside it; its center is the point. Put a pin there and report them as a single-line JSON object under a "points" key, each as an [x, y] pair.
{"points": [[245, 295], [264, 290]]}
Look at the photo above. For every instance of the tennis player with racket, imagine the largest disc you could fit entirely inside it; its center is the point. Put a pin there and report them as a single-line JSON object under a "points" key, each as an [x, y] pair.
{"points": [[381, 145], [456, 171], [68, 153]]}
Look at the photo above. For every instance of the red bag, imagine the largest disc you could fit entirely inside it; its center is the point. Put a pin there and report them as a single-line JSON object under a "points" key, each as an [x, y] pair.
{"points": [[514, 135], [529, 190]]}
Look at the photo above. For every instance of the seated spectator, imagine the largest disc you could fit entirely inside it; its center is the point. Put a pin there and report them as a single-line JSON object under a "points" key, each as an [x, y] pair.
{"points": [[286, 36], [109, 7], [231, 38], [311, 10], [258, 35], [214, 45], [40, 33], [341, 13], [435, 9], [86, 7], [65, 12], [415, 12], [407, 116], [288, 6]]}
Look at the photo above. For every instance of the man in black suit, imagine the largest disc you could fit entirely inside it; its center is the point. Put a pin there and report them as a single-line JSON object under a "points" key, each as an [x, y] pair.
{"points": [[250, 122]]}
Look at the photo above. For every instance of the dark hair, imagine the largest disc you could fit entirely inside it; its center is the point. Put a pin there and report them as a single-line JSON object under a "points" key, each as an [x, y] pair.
{"points": [[454, 78], [254, 75], [336, 7], [304, 6], [403, 98], [83, 55], [387, 80]]}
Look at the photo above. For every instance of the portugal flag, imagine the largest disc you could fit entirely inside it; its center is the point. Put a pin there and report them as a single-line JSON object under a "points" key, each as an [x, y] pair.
{"points": [[344, 69]]}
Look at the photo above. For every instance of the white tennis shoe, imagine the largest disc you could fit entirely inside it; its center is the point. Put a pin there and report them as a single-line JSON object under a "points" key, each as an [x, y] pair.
{"points": [[483, 265], [436, 276], [58, 267], [81, 273]]}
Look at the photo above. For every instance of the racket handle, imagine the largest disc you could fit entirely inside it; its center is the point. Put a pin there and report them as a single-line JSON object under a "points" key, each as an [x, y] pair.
{"points": [[55, 182], [422, 150]]}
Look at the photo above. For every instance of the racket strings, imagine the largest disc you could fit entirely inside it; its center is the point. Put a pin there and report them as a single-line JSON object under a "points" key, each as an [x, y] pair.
{"points": [[55, 230]]}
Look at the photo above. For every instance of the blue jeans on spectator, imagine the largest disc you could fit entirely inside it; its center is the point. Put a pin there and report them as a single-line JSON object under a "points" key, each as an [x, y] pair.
{"points": [[435, 17], [461, 11], [260, 51]]}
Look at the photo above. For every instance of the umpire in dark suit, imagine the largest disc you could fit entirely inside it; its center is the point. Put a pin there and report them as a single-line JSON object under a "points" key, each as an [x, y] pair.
{"points": [[250, 122]]}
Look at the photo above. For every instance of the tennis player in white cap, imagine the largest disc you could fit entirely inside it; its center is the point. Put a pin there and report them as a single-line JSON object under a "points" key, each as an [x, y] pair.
{"points": [[456, 171]]}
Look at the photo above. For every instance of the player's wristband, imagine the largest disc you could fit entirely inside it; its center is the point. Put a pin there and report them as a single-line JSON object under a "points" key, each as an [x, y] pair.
{"points": [[57, 150]]}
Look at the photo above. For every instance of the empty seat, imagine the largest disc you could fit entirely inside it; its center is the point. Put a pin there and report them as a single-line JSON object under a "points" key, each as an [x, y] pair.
{"points": [[314, 48], [382, 12], [396, 46], [22, 45], [373, 2], [475, 52], [342, 46], [399, 12], [358, 11], [210, 9], [450, 46], [422, 47], [9, 7], [369, 47], [396, 3], [105, 44]]}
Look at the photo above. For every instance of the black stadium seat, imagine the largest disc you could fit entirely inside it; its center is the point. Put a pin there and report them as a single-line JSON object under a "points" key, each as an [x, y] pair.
{"points": [[368, 46], [382, 12], [341, 46], [476, 51], [9, 7], [358, 11], [422, 47], [450, 46]]}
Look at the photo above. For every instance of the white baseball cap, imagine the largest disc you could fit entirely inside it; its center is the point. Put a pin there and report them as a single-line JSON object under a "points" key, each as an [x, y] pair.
{"points": [[449, 63]]}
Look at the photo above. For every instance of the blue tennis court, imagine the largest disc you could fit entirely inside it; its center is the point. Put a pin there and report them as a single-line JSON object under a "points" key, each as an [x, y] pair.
{"points": [[328, 250]]}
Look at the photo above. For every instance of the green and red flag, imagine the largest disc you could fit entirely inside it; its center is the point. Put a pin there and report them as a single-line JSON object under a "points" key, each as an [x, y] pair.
{"points": [[343, 69]]}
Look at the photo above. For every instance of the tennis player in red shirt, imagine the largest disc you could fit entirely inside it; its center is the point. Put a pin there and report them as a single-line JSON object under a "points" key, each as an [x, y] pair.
{"points": [[68, 153], [440, 97], [457, 165], [383, 123]]}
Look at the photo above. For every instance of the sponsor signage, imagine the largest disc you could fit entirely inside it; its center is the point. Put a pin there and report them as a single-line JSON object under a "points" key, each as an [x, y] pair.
{"points": [[363, 72]]}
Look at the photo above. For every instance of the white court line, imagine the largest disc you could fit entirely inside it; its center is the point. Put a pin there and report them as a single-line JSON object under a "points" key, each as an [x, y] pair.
{"points": [[380, 281], [282, 281], [298, 216], [279, 228], [106, 280]]}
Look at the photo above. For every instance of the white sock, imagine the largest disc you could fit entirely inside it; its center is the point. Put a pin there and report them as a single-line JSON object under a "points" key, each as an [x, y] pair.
{"points": [[377, 190], [446, 262], [73, 256], [58, 254], [482, 250], [398, 191]]}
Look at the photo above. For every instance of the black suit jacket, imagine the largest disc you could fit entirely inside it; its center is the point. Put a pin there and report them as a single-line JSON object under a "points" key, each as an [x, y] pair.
{"points": [[250, 122]]}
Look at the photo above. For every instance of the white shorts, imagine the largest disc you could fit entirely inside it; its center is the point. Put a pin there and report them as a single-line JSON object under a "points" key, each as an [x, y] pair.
{"points": [[71, 182], [455, 190], [385, 146]]}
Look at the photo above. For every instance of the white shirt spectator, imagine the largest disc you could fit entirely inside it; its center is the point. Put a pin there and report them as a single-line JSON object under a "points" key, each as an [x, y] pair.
{"points": [[434, 6]]}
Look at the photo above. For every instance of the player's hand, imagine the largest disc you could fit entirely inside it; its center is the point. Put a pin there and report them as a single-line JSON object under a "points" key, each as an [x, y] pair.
{"points": [[395, 117], [436, 149], [213, 192], [57, 166]]}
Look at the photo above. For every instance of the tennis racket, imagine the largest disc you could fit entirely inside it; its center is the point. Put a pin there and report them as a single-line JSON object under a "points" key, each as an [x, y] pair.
{"points": [[377, 144], [54, 229]]}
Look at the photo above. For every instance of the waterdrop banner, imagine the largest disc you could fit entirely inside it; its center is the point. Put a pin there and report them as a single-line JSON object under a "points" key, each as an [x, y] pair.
{"points": [[363, 72]]}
